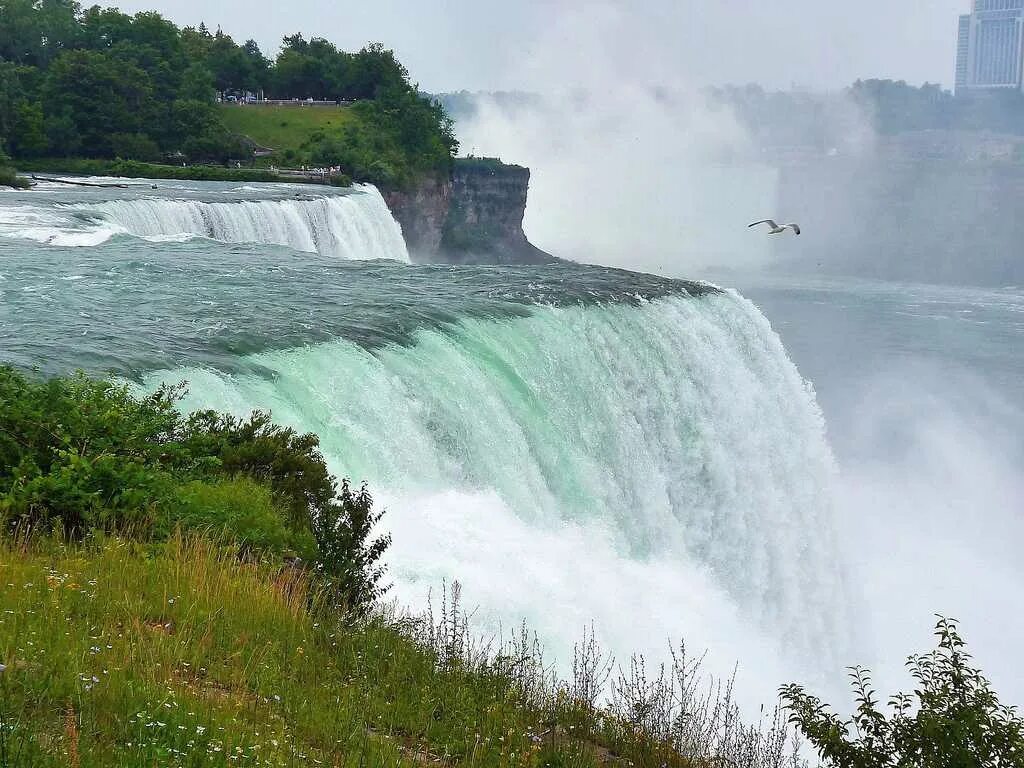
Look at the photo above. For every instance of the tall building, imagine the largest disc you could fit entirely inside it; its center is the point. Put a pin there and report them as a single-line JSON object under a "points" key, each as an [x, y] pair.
{"points": [[990, 46]]}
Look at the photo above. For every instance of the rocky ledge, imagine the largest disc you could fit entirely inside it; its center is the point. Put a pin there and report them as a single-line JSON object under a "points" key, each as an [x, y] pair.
{"points": [[473, 217]]}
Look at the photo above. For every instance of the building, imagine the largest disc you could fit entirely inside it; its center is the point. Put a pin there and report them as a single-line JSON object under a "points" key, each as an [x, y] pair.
{"points": [[990, 46]]}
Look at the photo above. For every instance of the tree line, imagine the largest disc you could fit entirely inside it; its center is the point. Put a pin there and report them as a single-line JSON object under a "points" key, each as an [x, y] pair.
{"points": [[99, 83]]}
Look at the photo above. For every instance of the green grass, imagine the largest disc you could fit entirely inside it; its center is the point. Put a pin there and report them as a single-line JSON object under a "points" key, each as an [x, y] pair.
{"points": [[181, 655], [284, 128]]}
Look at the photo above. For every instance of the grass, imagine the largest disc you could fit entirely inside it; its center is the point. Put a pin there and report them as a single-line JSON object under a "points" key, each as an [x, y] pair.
{"points": [[179, 654], [284, 128]]}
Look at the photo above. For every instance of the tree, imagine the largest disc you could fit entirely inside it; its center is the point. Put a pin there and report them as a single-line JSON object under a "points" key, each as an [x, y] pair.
{"points": [[258, 73], [956, 720], [101, 83], [228, 63], [101, 96], [197, 84], [376, 70], [34, 32], [28, 134]]}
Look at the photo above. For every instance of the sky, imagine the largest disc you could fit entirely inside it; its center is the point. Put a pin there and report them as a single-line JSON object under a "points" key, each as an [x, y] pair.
{"points": [[485, 45]]}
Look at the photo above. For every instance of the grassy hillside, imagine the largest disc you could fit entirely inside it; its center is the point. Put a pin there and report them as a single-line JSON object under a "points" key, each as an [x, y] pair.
{"points": [[388, 141], [118, 655], [180, 654], [284, 129]]}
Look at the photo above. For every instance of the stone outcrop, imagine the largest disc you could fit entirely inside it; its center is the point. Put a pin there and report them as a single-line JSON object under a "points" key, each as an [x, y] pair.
{"points": [[421, 212], [473, 217]]}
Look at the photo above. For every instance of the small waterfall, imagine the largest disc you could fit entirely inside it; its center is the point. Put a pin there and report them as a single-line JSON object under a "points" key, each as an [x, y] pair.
{"points": [[357, 225]]}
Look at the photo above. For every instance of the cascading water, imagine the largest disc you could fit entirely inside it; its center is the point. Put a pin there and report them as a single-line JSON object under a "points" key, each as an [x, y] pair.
{"points": [[674, 438], [575, 444], [354, 224]]}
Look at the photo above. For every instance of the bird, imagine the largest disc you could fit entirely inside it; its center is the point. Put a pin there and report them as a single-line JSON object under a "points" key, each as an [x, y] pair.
{"points": [[775, 228]]}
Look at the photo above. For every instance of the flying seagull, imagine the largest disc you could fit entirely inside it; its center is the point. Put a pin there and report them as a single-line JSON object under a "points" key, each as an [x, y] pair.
{"points": [[775, 228]]}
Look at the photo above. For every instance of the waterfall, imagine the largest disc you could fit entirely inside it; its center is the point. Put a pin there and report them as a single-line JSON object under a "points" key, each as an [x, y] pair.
{"points": [[350, 224], [357, 225], [674, 444]]}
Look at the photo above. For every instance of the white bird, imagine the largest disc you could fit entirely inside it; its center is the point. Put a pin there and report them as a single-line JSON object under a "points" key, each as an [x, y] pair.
{"points": [[775, 228]]}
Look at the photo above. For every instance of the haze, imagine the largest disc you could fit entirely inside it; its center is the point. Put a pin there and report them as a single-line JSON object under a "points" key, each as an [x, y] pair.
{"points": [[456, 44]]}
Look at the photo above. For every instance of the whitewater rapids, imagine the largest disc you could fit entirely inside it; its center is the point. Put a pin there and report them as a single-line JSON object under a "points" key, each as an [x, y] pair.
{"points": [[659, 470]]}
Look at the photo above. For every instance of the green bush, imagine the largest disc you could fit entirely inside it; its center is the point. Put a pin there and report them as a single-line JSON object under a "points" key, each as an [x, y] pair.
{"points": [[8, 176], [954, 719], [134, 145], [345, 554], [244, 509], [82, 454]]}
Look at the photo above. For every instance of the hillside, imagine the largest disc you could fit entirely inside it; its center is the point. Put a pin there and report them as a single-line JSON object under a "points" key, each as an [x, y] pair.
{"points": [[284, 129], [179, 655]]}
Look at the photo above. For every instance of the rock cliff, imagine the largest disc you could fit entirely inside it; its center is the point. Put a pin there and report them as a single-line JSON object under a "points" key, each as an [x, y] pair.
{"points": [[421, 212], [473, 217]]}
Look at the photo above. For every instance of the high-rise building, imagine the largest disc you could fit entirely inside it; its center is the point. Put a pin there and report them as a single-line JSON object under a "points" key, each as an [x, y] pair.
{"points": [[990, 46]]}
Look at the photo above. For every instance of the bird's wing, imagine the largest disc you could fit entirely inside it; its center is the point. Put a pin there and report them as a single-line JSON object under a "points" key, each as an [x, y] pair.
{"points": [[763, 221], [795, 227]]}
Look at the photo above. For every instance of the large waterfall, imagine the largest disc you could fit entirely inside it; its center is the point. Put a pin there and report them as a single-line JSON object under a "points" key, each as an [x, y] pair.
{"points": [[666, 461], [575, 444]]}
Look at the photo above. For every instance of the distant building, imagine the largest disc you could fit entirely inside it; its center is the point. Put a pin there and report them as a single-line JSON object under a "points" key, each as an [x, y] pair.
{"points": [[990, 46]]}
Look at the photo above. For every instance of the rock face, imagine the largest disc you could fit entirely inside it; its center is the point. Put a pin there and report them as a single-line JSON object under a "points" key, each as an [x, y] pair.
{"points": [[422, 212], [475, 217], [485, 219]]}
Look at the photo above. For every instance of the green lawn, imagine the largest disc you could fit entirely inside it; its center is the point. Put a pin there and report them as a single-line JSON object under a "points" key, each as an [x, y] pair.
{"points": [[114, 653], [282, 128]]}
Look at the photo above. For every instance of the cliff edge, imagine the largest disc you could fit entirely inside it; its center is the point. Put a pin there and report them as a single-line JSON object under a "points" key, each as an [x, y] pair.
{"points": [[473, 217]]}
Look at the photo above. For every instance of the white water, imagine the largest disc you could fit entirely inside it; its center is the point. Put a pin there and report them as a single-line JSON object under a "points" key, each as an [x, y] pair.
{"points": [[357, 225], [660, 471]]}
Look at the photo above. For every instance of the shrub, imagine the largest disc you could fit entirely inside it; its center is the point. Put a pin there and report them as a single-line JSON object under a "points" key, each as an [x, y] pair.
{"points": [[956, 720], [345, 554], [289, 463], [8, 177], [136, 146], [244, 509], [83, 454]]}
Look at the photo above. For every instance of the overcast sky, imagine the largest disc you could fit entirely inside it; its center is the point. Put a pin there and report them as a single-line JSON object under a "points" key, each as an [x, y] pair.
{"points": [[487, 45]]}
